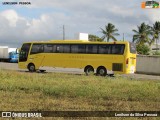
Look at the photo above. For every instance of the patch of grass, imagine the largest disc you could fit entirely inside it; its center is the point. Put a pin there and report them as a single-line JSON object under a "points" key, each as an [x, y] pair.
{"points": [[60, 91]]}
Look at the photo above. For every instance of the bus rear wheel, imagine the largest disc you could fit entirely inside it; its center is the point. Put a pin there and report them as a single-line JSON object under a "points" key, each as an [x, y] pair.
{"points": [[101, 71], [89, 70], [31, 67]]}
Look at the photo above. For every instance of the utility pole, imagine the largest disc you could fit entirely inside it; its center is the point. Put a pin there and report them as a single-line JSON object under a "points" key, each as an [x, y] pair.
{"points": [[123, 36], [63, 32]]}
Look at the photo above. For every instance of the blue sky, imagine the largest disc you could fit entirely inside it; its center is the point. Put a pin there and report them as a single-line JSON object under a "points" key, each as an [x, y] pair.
{"points": [[30, 12], [44, 20]]}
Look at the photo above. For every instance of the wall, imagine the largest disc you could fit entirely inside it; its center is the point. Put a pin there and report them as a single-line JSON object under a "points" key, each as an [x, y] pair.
{"points": [[148, 64]]}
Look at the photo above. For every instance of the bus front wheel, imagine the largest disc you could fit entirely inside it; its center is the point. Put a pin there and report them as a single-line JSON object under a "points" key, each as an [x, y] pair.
{"points": [[31, 67], [101, 71], [89, 70]]}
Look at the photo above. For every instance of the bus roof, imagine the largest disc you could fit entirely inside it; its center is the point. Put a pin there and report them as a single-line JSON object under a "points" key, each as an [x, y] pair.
{"points": [[78, 41]]}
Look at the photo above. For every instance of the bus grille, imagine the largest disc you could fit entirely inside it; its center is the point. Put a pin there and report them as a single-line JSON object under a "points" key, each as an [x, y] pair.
{"points": [[117, 67]]}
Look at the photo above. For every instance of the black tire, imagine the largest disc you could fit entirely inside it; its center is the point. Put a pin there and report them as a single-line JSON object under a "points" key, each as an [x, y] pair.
{"points": [[89, 70], [102, 71], [31, 68]]}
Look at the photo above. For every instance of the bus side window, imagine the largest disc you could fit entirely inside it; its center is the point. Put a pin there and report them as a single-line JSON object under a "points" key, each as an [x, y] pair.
{"points": [[78, 49], [59, 48], [74, 48], [117, 49], [122, 49], [66, 48], [81, 49], [41, 48], [37, 48], [92, 49], [54, 48], [104, 49], [48, 48]]}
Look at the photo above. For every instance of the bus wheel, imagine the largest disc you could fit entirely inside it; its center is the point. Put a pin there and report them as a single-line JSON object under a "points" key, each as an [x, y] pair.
{"points": [[31, 67], [101, 71], [89, 70]]}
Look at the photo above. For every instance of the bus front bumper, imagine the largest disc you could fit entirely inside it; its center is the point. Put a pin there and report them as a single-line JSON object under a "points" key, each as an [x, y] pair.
{"points": [[22, 65]]}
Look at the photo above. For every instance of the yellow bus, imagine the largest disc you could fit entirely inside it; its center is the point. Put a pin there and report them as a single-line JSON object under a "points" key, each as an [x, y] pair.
{"points": [[101, 58]]}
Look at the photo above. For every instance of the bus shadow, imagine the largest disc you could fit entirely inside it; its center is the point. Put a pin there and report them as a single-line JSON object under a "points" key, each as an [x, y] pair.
{"points": [[25, 71], [46, 72]]}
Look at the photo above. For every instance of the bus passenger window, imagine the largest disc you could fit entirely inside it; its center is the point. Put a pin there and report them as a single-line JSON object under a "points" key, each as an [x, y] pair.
{"points": [[78, 49], [81, 49], [54, 48], [92, 49], [104, 49], [66, 48], [117, 49], [37, 48], [74, 48], [48, 48], [59, 48]]}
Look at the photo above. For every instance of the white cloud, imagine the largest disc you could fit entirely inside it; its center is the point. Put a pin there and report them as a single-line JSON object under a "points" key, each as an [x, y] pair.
{"points": [[17, 29], [11, 16], [77, 16], [154, 15]]}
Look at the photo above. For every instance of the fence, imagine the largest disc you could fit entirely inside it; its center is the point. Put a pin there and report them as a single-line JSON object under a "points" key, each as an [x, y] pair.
{"points": [[148, 64]]}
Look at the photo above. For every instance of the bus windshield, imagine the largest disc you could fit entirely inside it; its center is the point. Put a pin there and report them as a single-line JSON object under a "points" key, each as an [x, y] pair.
{"points": [[149, 3], [24, 52]]}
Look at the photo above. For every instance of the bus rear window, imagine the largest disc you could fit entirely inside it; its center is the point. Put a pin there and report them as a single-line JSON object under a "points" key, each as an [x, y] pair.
{"points": [[132, 47]]}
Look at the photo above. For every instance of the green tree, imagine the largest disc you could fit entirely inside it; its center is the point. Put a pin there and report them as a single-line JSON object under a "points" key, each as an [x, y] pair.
{"points": [[109, 32], [142, 35], [143, 49], [155, 33], [95, 38]]}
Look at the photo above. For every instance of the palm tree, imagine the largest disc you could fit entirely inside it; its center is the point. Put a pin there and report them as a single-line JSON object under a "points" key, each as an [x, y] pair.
{"points": [[142, 34], [94, 38], [155, 33], [109, 32]]}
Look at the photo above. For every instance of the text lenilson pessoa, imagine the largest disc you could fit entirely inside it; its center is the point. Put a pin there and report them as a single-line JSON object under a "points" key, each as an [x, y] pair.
{"points": [[16, 3]]}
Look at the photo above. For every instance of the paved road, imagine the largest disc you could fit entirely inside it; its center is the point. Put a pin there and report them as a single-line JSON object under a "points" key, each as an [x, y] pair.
{"points": [[10, 66], [143, 76], [14, 66]]}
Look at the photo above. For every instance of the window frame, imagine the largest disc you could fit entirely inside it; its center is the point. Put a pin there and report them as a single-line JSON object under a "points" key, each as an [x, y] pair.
{"points": [[40, 51]]}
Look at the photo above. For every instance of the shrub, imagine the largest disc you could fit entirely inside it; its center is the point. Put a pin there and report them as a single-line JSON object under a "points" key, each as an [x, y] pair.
{"points": [[143, 49], [156, 53]]}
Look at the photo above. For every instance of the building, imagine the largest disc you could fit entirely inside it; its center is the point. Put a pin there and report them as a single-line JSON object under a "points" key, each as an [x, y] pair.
{"points": [[156, 45]]}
